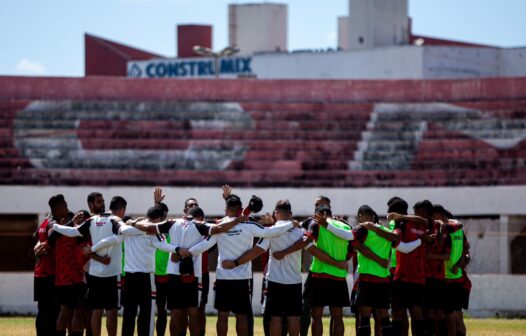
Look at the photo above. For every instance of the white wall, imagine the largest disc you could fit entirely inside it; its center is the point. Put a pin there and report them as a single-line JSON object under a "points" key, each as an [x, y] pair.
{"points": [[462, 201], [491, 294], [258, 27], [513, 62], [460, 62], [381, 63]]}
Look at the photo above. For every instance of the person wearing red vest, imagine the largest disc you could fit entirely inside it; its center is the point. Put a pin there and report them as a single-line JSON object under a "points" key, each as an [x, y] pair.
{"points": [[44, 281]]}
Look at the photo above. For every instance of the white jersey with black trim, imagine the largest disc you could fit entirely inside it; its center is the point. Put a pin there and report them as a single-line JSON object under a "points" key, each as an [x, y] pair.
{"points": [[287, 270], [236, 241], [99, 227], [186, 233]]}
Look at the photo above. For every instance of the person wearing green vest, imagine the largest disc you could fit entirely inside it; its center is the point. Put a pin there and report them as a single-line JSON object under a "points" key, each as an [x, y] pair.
{"points": [[453, 272], [374, 277], [328, 283]]}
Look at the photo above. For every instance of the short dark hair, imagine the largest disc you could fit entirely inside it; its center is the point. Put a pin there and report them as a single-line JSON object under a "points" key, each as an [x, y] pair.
{"points": [[324, 209], [163, 206], [424, 205], [86, 214], [283, 205], [93, 195], [118, 203], [233, 202], [155, 212], [196, 212], [366, 210], [188, 200], [437, 208], [398, 205], [55, 200], [324, 198], [126, 218]]}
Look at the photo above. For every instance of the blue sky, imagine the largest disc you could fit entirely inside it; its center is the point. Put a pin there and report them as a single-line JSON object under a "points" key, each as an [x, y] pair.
{"points": [[45, 37]]}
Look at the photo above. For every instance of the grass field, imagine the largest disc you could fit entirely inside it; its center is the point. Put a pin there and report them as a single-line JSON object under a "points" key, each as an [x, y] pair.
{"points": [[24, 326]]}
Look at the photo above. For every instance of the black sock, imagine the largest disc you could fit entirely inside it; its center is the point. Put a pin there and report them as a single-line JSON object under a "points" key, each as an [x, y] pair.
{"points": [[460, 333], [89, 333], [442, 327], [364, 329], [60, 333], [202, 332], [387, 327], [75, 333], [429, 325], [182, 333], [420, 327]]}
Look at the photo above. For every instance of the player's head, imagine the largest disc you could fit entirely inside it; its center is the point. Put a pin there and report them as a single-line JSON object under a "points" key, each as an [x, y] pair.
{"points": [[322, 200], [196, 213], [398, 205], [118, 206], [440, 213], [323, 210], [58, 206], [164, 207], [233, 206], [423, 209], [189, 204], [155, 214], [366, 214], [283, 210], [96, 203]]}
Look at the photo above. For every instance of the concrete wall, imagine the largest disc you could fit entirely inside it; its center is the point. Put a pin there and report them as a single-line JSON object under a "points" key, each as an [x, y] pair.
{"points": [[258, 27], [491, 294], [459, 62], [513, 62], [378, 23], [380, 63]]}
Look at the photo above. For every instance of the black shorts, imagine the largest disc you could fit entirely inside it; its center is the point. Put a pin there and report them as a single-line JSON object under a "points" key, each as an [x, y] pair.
{"points": [[465, 298], [283, 299], [455, 297], [204, 288], [407, 294], [70, 295], [44, 289], [161, 292], [182, 294], [102, 292], [435, 294], [232, 295], [329, 292], [137, 289], [372, 294]]}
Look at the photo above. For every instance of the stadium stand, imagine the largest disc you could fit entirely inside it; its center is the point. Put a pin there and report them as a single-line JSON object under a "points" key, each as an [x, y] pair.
{"points": [[107, 131]]}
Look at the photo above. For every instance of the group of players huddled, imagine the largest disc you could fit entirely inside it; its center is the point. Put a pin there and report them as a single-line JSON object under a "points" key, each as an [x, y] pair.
{"points": [[410, 263]]}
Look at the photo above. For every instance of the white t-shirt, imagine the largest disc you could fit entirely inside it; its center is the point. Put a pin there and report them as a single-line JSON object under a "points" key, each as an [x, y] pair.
{"points": [[288, 269], [233, 243]]}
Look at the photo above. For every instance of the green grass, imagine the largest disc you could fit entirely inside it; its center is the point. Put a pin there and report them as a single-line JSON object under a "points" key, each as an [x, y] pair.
{"points": [[22, 326]]}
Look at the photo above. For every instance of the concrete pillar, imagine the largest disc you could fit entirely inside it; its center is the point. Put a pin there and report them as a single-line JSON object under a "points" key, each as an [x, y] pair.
{"points": [[504, 245]]}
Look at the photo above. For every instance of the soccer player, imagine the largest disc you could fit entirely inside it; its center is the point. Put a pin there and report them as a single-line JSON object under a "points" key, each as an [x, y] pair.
{"points": [[232, 285], [161, 276], [139, 265], [102, 279], [409, 279], [454, 289], [374, 278], [45, 270], [184, 272]]}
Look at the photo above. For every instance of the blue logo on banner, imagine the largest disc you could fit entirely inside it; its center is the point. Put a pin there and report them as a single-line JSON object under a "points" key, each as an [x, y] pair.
{"points": [[135, 71], [205, 68]]}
